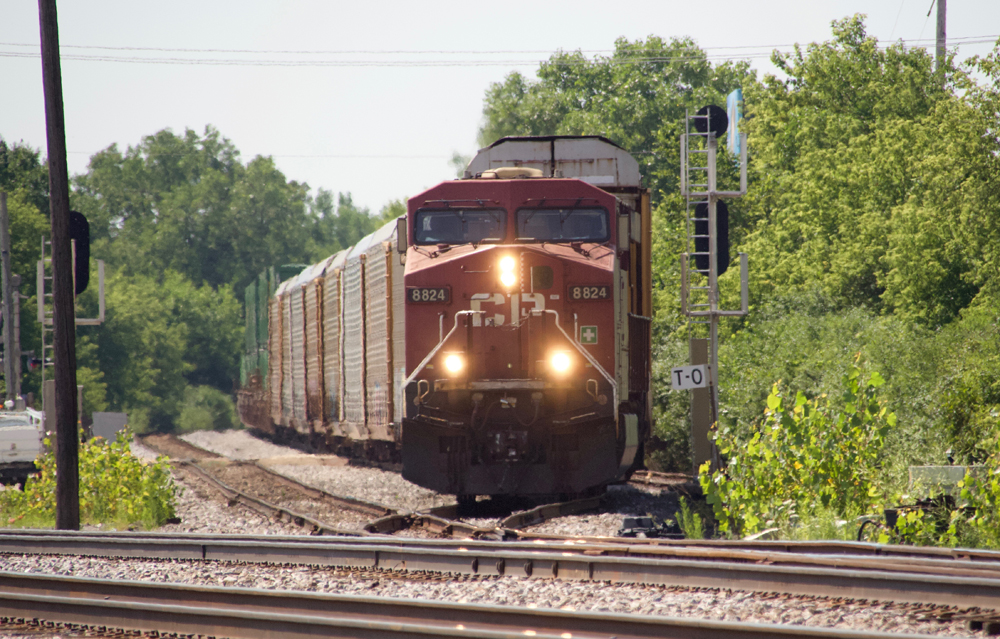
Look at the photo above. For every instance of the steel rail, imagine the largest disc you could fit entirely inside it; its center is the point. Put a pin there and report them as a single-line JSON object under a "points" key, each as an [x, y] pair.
{"points": [[546, 512], [267, 509], [609, 546], [389, 520], [896, 582], [350, 503], [247, 613]]}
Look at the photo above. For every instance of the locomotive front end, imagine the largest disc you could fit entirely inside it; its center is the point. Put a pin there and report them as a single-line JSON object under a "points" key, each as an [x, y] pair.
{"points": [[517, 338]]}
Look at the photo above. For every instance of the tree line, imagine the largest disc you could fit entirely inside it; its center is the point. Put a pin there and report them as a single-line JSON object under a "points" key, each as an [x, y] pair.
{"points": [[183, 224]]}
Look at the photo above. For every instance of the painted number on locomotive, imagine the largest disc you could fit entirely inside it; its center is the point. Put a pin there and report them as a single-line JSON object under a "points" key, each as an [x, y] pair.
{"points": [[421, 295], [581, 293]]}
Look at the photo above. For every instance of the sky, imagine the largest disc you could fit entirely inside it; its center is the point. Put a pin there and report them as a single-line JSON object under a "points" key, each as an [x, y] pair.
{"points": [[382, 94]]}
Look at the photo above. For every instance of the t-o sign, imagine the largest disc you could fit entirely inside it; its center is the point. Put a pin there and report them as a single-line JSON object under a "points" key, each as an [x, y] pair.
{"points": [[687, 377]]}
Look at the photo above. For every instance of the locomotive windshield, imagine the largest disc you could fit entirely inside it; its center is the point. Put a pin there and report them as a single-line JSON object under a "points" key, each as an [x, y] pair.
{"points": [[563, 225], [460, 226]]}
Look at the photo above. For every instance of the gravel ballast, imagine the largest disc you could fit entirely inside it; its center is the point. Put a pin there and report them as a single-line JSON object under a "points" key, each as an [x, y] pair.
{"points": [[509, 591]]}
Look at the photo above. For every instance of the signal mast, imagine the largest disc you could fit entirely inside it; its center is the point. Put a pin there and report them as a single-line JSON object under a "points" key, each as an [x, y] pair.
{"points": [[706, 258]]}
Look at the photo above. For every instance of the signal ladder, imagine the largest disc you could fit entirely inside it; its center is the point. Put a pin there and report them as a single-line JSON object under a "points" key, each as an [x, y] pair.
{"points": [[45, 306], [46, 309], [700, 261]]}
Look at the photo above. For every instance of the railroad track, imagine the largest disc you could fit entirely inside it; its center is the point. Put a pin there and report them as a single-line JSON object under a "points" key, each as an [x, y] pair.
{"points": [[212, 469], [261, 614], [888, 577]]}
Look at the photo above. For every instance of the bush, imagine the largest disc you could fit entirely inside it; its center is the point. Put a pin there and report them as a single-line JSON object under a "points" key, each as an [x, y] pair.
{"points": [[805, 457], [116, 488], [206, 408]]}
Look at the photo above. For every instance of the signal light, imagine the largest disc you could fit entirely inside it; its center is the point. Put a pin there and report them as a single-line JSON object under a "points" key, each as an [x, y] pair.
{"points": [[79, 230], [721, 236], [717, 121]]}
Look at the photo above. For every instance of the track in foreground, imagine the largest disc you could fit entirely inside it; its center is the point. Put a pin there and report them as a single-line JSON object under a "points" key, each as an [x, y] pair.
{"points": [[917, 580], [261, 614]]}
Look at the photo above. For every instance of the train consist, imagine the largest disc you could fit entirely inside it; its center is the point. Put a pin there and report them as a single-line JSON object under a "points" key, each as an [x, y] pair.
{"points": [[495, 339]]}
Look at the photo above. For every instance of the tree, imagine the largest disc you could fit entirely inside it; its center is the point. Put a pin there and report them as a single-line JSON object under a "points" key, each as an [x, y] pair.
{"points": [[636, 97], [161, 337], [188, 204], [21, 171], [871, 178], [340, 229]]}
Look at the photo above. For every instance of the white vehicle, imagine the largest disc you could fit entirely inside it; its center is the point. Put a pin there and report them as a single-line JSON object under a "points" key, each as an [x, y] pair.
{"points": [[21, 434]]}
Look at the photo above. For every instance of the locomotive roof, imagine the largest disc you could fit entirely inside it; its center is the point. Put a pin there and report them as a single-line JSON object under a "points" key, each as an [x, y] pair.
{"points": [[591, 158]]}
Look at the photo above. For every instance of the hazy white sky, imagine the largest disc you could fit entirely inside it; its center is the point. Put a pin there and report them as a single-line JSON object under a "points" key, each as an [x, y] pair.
{"points": [[385, 130]]}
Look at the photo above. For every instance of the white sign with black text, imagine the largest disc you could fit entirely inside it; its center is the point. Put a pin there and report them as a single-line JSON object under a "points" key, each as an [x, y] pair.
{"points": [[687, 377]]}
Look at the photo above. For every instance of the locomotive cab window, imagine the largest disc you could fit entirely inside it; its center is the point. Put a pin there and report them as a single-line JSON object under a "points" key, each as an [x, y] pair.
{"points": [[563, 225], [460, 226]]}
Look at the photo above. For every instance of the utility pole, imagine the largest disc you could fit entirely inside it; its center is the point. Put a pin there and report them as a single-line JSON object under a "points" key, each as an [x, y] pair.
{"points": [[9, 356], [63, 319], [941, 39]]}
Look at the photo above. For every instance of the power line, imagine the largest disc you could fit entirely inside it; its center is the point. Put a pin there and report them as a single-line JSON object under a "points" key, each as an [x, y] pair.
{"points": [[964, 39]]}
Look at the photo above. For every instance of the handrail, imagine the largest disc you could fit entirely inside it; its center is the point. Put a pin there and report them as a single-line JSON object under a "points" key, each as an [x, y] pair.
{"points": [[587, 355], [434, 350]]}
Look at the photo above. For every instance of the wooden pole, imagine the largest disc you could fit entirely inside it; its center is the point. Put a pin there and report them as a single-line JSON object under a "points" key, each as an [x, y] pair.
{"points": [[9, 356], [941, 41], [63, 318]]}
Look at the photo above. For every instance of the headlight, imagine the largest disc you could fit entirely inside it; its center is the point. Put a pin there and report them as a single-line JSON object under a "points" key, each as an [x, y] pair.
{"points": [[560, 362], [507, 275], [454, 364]]}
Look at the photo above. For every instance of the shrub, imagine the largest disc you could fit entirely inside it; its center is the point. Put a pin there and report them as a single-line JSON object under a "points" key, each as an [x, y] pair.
{"points": [[116, 488], [805, 456], [206, 408]]}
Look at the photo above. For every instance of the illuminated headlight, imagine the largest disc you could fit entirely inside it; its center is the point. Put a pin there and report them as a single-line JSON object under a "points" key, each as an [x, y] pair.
{"points": [[507, 275], [560, 362], [454, 364]]}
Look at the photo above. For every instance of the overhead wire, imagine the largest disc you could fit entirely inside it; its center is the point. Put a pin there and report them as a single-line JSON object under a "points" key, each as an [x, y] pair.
{"points": [[750, 52]]}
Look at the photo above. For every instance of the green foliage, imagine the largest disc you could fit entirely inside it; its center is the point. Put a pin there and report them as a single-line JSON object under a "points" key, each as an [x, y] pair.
{"points": [[636, 97], [981, 492], [159, 336], [116, 488], [690, 522], [22, 173], [805, 455], [338, 229], [872, 177], [206, 408], [187, 204], [806, 340], [968, 390]]}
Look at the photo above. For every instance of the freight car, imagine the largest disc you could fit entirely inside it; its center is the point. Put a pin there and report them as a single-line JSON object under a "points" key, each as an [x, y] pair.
{"points": [[496, 339]]}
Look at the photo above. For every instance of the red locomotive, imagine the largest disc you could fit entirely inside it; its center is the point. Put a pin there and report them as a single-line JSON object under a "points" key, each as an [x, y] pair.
{"points": [[497, 336]]}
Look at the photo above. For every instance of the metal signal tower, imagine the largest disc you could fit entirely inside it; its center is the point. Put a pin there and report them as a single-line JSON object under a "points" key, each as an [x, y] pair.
{"points": [[700, 279]]}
